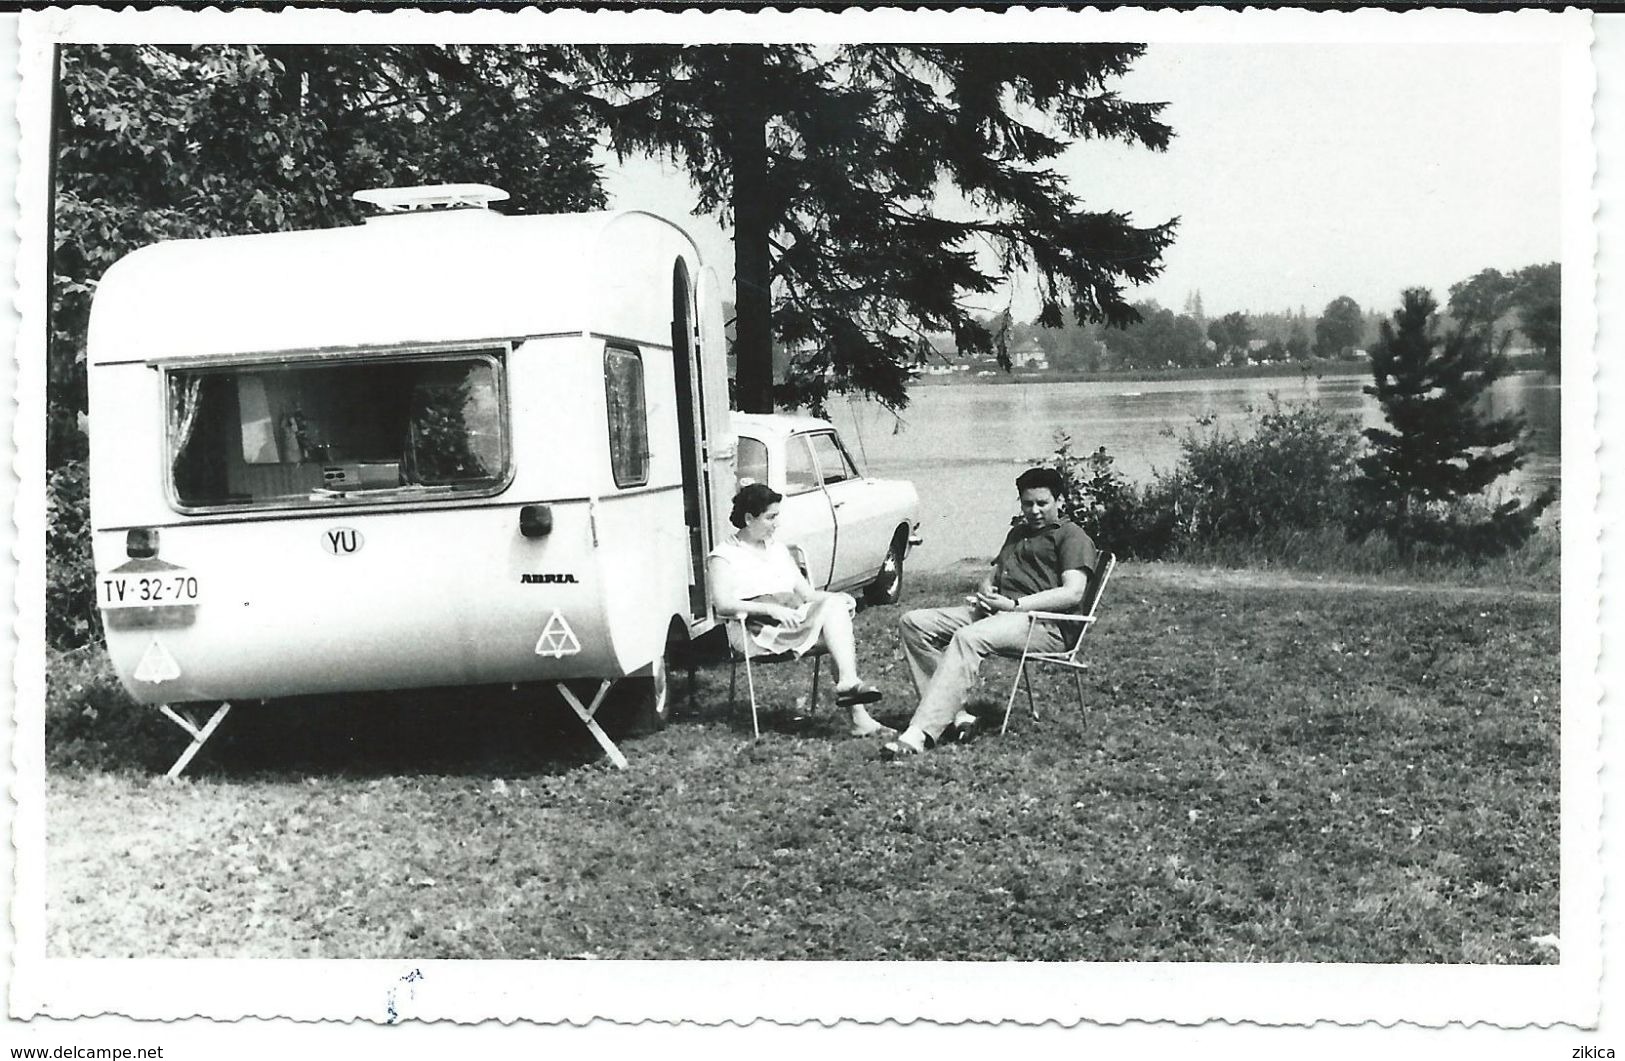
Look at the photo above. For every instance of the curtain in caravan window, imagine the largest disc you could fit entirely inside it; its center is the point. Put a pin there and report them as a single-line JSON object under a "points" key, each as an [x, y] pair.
{"points": [[183, 408], [628, 416]]}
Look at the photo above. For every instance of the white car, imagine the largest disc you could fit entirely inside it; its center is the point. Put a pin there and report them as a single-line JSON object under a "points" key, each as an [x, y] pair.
{"points": [[855, 531]]}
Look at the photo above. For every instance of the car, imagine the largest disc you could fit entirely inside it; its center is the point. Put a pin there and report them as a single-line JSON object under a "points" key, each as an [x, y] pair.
{"points": [[855, 531]]}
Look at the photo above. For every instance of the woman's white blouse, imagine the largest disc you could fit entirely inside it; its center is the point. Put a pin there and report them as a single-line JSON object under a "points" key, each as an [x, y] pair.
{"points": [[757, 572]]}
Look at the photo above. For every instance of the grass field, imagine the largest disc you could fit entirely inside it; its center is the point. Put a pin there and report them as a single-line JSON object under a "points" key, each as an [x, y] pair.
{"points": [[1266, 770]]}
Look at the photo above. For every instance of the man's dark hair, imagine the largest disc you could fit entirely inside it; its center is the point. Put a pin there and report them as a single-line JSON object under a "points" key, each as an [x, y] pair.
{"points": [[753, 500], [1041, 478]]}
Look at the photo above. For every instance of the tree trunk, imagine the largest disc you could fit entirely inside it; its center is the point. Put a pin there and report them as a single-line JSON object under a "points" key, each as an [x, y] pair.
{"points": [[753, 295]]}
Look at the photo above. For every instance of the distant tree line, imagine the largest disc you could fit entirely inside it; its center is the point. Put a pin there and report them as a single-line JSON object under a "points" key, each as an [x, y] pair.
{"points": [[1497, 309]]}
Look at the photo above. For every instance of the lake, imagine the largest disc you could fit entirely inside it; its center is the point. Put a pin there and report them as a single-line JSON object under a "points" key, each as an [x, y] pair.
{"points": [[964, 444]]}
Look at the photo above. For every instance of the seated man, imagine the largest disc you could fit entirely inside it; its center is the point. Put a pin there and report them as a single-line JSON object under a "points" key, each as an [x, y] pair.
{"points": [[1043, 566]]}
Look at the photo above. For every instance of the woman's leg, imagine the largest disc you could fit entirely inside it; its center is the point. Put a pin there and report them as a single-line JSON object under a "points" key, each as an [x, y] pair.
{"points": [[837, 635]]}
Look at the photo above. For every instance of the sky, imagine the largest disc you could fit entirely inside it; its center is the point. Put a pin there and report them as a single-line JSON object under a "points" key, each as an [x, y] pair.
{"points": [[1302, 172]]}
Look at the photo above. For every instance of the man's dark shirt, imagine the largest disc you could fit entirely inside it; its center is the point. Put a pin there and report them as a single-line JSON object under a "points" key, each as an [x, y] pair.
{"points": [[1032, 558]]}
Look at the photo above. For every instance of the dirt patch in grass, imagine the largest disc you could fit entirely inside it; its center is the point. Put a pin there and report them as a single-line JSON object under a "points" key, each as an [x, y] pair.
{"points": [[1259, 772]]}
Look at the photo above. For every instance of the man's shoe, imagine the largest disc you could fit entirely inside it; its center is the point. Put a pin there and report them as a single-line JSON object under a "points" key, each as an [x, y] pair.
{"points": [[964, 732]]}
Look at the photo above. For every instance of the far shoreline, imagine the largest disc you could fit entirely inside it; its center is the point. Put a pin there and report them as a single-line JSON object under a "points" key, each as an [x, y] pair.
{"points": [[1316, 367]]}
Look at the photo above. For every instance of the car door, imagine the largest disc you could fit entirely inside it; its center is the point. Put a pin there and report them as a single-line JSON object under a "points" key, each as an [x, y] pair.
{"points": [[860, 537], [805, 516]]}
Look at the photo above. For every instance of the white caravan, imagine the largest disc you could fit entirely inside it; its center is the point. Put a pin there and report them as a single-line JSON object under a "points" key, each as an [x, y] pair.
{"points": [[445, 447]]}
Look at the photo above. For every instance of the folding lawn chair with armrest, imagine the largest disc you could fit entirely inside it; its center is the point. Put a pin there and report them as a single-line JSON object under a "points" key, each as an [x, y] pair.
{"points": [[1083, 619], [816, 652]]}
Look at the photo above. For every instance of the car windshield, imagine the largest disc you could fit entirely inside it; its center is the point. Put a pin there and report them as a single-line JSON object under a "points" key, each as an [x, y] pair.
{"points": [[309, 433]]}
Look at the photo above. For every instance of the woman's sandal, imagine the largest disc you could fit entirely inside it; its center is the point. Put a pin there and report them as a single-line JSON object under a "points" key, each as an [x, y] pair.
{"points": [[893, 750], [858, 694]]}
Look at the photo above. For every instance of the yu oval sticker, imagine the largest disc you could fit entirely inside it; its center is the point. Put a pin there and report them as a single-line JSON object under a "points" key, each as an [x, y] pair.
{"points": [[341, 541]]}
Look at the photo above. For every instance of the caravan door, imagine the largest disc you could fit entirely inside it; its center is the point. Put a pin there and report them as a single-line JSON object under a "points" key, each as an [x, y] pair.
{"points": [[691, 430]]}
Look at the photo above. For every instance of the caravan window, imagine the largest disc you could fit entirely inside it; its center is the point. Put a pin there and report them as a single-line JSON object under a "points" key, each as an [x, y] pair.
{"points": [[315, 432], [628, 416]]}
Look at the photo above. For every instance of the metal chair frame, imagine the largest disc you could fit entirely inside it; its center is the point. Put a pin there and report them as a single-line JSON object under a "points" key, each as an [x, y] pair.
{"points": [[1069, 659], [748, 656]]}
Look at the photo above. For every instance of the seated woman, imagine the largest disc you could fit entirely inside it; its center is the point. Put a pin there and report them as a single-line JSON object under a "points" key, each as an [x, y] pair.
{"points": [[753, 575]]}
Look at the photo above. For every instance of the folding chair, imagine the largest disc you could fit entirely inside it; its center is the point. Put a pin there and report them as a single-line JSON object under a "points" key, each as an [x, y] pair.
{"points": [[1069, 658], [816, 652]]}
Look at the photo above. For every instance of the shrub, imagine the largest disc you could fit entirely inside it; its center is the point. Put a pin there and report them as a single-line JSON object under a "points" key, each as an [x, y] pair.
{"points": [[1106, 505], [71, 618], [91, 722], [1292, 469], [1471, 528]]}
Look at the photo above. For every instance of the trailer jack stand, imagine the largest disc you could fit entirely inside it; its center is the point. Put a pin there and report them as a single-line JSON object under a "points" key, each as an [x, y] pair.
{"points": [[199, 734], [586, 715]]}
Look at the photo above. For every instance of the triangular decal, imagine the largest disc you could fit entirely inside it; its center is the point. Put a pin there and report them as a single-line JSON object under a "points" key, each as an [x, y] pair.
{"points": [[557, 640], [157, 665]]}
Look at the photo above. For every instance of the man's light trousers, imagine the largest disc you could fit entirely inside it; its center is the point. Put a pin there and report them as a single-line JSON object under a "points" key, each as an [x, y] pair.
{"points": [[945, 648]]}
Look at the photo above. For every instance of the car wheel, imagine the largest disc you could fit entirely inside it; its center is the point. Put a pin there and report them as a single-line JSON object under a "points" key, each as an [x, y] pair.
{"points": [[887, 588]]}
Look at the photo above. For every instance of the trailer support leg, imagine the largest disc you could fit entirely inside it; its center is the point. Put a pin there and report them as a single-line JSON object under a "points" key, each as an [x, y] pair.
{"points": [[200, 734], [586, 715]]}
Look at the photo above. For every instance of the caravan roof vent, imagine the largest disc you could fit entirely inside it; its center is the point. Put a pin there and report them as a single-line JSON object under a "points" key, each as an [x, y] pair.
{"points": [[429, 197]]}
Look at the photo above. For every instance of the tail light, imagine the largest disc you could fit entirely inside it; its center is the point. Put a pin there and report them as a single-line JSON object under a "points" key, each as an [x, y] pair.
{"points": [[141, 543], [536, 521]]}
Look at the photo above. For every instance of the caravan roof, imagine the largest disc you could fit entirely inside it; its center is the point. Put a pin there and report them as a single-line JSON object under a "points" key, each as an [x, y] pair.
{"points": [[400, 279]]}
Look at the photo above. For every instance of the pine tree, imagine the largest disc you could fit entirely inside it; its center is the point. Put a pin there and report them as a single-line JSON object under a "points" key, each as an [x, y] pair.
{"points": [[1439, 448], [828, 162]]}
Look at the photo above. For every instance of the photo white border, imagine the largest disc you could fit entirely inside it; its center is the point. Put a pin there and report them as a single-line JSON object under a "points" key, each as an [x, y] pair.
{"points": [[710, 992]]}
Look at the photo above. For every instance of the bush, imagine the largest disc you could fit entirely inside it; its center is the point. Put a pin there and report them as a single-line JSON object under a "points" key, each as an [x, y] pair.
{"points": [[1474, 528], [1291, 471], [1111, 509], [91, 722], [71, 618]]}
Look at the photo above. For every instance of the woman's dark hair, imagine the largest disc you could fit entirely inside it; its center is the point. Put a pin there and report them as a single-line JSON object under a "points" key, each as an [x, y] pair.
{"points": [[753, 500], [1041, 478]]}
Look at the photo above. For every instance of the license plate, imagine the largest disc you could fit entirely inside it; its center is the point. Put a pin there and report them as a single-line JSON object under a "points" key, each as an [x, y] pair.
{"points": [[153, 589]]}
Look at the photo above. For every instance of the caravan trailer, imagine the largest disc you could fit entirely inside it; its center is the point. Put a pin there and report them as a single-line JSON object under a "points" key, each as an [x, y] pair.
{"points": [[444, 447]]}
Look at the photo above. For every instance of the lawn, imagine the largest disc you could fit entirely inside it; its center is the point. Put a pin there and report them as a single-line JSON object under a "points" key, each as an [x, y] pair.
{"points": [[1265, 770]]}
